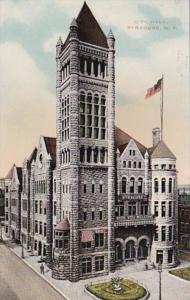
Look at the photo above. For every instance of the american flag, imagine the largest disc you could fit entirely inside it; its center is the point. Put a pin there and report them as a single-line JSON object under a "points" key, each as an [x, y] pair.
{"points": [[155, 89]]}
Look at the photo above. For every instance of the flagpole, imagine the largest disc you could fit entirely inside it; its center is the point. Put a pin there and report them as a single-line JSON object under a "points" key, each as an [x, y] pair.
{"points": [[162, 107]]}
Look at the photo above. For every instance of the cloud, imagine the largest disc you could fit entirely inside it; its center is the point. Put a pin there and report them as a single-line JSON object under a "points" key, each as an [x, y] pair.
{"points": [[50, 43], [122, 13], [139, 116], [21, 11], [27, 107]]}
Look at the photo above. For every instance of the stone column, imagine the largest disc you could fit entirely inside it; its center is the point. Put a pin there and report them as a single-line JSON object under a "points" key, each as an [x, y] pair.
{"points": [[99, 69], [92, 68], [85, 67], [123, 255], [111, 153], [49, 222], [74, 147], [146, 156], [136, 252]]}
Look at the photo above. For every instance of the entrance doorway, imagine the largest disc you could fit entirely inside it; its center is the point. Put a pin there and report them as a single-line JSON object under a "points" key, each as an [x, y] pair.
{"points": [[39, 248], [130, 250], [143, 249]]}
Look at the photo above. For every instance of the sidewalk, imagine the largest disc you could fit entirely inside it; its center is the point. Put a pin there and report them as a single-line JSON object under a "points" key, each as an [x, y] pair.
{"points": [[172, 287]]}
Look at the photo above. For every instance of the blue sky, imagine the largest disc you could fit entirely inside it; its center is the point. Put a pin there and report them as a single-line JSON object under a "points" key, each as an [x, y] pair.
{"points": [[29, 30]]}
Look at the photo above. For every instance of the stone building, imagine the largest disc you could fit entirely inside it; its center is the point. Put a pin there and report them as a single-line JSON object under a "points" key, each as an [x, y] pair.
{"points": [[15, 203], [41, 198], [25, 199], [184, 218], [95, 198], [2, 199], [8, 179]]}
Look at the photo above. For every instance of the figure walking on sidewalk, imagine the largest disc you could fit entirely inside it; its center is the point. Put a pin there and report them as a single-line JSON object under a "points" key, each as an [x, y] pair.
{"points": [[42, 269]]}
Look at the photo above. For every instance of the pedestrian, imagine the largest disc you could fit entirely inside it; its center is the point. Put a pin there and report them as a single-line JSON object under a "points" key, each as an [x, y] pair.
{"points": [[42, 269], [146, 266]]}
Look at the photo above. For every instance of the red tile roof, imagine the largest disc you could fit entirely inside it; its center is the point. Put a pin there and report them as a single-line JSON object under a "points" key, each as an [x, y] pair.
{"points": [[122, 140]]}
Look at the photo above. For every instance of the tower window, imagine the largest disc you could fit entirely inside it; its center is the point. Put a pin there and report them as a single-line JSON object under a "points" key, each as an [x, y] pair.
{"points": [[84, 188], [139, 165], [140, 185], [101, 189], [156, 185], [132, 185], [163, 206], [170, 185], [93, 188], [96, 155], [124, 185], [163, 182]]}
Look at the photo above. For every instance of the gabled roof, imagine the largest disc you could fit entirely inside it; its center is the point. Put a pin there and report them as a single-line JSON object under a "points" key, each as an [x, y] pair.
{"points": [[162, 151], [51, 147], [89, 31], [32, 155], [19, 173], [88, 28], [122, 140], [10, 173]]}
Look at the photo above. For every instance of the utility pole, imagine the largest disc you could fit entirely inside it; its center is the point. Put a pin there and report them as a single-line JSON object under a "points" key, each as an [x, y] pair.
{"points": [[160, 280]]}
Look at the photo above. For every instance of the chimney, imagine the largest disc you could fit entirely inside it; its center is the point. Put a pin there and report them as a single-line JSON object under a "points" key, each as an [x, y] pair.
{"points": [[155, 136]]}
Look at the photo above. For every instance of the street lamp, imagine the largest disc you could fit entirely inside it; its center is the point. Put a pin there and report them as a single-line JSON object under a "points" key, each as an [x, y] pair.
{"points": [[22, 247], [160, 282]]}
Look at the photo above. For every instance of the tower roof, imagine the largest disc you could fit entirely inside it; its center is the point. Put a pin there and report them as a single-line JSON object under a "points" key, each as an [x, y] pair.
{"points": [[88, 28], [89, 31], [162, 151]]}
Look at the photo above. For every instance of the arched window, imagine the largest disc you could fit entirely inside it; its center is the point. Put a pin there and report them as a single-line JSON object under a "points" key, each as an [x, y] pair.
{"points": [[124, 164], [89, 97], [89, 151], [82, 96], [101, 187], [140, 185], [96, 155], [132, 185], [93, 187], [82, 152], [170, 185], [134, 164], [96, 99], [139, 165], [68, 155], [102, 156], [156, 185], [103, 100], [124, 185], [163, 185], [129, 164]]}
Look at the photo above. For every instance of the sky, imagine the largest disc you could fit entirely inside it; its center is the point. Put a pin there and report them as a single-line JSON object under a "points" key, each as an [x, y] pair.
{"points": [[151, 40]]}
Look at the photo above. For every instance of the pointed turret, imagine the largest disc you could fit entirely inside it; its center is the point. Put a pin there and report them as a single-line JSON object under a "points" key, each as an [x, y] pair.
{"points": [[59, 46]]}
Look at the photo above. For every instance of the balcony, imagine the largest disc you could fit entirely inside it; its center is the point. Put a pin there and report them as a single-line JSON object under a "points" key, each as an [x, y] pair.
{"points": [[139, 220]]}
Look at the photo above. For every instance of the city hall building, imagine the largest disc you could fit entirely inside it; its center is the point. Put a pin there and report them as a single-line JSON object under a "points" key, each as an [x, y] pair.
{"points": [[93, 198]]}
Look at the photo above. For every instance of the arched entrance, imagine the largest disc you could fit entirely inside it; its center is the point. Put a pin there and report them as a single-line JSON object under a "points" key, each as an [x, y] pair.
{"points": [[143, 249], [118, 252], [39, 248], [130, 250]]}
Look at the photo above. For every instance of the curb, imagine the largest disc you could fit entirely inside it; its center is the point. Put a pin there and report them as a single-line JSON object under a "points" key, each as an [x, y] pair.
{"points": [[178, 278], [34, 270]]}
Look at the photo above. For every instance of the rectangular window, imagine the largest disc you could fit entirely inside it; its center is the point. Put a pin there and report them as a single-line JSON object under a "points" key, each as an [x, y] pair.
{"points": [[96, 133], [36, 226], [84, 215], [103, 134], [93, 188], [170, 233], [96, 120], [40, 207], [101, 214], [82, 131], [24, 205], [132, 208], [99, 263], [86, 265], [163, 208], [93, 215], [86, 245], [40, 228], [156, 233], [156, 208], [163, 233], [44, 229], [36, 206], [170, 256], [100, 188], [170, 209], [84, 188], [99, 239], [159, 256]]}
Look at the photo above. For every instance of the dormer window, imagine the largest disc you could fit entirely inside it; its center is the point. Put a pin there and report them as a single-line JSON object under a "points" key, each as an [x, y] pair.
{"points": [[124, 164]]}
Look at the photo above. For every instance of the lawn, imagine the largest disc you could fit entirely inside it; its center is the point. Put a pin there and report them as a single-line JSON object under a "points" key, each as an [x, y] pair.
{"points": [[182, 273], [129, 290]]}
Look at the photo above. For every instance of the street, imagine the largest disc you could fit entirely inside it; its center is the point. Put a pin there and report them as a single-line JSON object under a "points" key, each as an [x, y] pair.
{"points": [[19, 282]]}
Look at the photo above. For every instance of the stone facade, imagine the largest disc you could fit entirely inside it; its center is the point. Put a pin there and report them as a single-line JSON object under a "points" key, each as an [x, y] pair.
{"points": [[94, 197]]}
